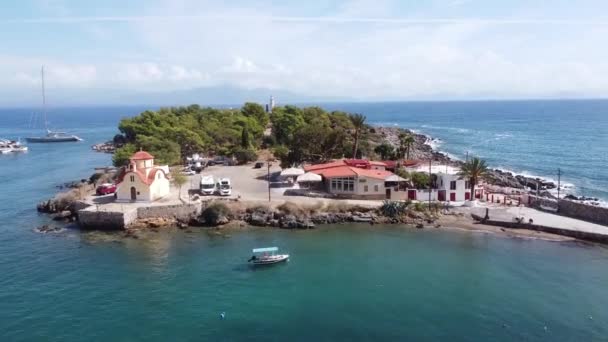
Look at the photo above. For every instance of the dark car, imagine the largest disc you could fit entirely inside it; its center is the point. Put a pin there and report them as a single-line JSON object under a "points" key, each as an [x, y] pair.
{"points": [[106, 189], [258, 165]]}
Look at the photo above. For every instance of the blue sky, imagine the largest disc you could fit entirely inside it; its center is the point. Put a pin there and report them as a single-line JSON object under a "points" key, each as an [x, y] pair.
{"points": [[370, 50]]}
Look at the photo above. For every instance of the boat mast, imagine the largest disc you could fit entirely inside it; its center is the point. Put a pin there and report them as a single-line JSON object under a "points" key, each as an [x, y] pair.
{"points": [[44, 100]]}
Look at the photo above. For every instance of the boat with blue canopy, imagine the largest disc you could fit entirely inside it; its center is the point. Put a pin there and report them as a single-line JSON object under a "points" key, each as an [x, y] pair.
{"points": [[267, 256]]}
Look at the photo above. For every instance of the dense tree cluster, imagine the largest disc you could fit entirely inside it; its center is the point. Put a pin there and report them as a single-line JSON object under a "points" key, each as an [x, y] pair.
{"points": [[297, 134], [172, 134]]}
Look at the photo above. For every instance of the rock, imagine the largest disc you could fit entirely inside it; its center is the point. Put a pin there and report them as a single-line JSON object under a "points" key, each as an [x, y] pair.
{"points": [[222, 220], [288, 221], [419, 225], [48, 229], [258, 219], [62, 216]]}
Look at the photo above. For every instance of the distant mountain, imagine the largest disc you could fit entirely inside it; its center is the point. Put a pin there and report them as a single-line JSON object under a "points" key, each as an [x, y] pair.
{"points": [[219, 95], [214, 95]]}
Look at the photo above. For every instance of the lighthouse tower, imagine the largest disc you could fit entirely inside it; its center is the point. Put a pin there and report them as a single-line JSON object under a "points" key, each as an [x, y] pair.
{"points": [[271, 104]]}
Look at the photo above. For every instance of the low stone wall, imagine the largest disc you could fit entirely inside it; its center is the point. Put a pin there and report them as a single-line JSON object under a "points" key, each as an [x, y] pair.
{"points": [[94, 218], [572, 209], [177, 211], [587, 236], [99, 219]]}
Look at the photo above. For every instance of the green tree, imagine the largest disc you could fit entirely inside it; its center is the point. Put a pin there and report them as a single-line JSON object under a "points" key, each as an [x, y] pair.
{"points": [[255, 111], [473, 170], [244, 155], [245, 143], [179, 180], [358, 121], [121, 155], [421, 180], [385, 150], [406, 142], [163, 150]]}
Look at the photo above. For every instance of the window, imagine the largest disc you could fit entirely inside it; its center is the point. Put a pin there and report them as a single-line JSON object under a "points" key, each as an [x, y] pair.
{"points": [[132, 179], [376, 188], [343, 184], [453, 185], [467, 184], [365, 188]]}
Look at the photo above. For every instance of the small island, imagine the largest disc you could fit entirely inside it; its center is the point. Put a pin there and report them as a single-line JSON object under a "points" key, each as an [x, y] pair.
{"points": [[296, 167]]}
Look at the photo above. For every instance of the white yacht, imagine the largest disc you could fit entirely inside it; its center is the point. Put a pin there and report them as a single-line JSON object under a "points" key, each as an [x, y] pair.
{"points": [[50, 136]]}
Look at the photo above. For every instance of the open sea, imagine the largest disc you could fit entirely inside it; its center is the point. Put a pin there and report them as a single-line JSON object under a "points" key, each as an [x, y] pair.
{"points": [[342, 283]]}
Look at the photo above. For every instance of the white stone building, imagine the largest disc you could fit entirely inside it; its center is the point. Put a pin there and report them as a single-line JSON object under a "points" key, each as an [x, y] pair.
{"points": [[142, 181]]}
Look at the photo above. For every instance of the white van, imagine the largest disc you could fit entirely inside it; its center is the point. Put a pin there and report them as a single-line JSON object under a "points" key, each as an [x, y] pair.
{"points": [[224, 187], [207, 185]]}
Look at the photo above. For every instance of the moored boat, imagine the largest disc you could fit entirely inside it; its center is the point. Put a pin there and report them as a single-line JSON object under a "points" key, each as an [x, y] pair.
{"points": [[50, 136], [267, 256]]}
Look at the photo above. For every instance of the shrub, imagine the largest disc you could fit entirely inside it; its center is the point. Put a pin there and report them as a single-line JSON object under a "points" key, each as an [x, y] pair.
{"points": [[419, 206], [244, 156], [290, 208], [215, 213], [394, 208]]}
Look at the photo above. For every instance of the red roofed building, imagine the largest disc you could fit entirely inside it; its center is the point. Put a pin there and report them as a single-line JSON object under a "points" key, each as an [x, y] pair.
{"points": [[354, 178], [142, 181]]}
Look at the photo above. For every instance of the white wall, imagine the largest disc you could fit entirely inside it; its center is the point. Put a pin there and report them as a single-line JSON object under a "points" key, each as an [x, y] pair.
{"points": [[123, 193], [371, 183]]}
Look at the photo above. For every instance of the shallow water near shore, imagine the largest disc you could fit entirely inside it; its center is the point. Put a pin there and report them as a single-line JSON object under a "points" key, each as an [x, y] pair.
{"points": [[342, 282]]}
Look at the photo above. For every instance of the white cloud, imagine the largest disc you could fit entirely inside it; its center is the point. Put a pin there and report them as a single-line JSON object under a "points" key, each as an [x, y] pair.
{"points": [[362, 50]]}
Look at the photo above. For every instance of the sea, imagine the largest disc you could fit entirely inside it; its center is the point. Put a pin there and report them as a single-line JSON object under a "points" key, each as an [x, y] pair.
{"points": [[349, 282]]}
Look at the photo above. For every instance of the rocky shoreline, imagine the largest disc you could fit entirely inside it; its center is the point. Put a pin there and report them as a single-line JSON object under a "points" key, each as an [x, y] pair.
{"points": [[422, 150]]}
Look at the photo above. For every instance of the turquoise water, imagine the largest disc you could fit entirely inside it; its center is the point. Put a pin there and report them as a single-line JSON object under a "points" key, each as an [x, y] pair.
{"points": [[343, 283]]}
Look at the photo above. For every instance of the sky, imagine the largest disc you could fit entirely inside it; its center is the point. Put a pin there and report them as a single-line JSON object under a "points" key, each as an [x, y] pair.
{"points": [[369, 50]]}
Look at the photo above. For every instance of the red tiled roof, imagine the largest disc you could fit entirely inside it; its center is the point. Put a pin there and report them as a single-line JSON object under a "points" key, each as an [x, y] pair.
{"points": [[142, 155], [377, 174], [391, 164], [350, 171], [357, 162], [316, 167], [338, 171], [141, 175], [377, 163]]}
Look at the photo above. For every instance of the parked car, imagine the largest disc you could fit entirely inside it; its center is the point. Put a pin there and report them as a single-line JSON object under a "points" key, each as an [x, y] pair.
{"points": [[106, 189], [188, 171], [258, 165]]}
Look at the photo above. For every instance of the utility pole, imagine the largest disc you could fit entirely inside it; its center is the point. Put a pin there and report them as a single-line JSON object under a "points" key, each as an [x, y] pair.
{"points": [[268, 178], [430, 182], [559, 185]]}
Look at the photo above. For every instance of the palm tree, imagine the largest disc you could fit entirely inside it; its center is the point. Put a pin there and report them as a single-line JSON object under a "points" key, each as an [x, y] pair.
{"points": [[406, 142], [358, 121], [473, 170]]}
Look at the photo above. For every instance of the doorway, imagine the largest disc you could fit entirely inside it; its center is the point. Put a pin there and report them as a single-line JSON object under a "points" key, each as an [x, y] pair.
{"points": [[133, 193]]}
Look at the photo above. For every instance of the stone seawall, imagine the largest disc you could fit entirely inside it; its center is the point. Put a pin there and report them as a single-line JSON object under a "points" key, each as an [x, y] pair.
{"points": [[572, 209], [99, 218], [177, 211]]}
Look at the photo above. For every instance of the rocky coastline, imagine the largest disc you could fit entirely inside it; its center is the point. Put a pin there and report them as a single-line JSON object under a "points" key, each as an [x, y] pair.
{"points": [[423, 150]]}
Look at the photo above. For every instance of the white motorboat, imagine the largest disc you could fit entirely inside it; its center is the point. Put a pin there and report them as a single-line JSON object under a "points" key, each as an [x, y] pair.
{"points": [[267, 256]]}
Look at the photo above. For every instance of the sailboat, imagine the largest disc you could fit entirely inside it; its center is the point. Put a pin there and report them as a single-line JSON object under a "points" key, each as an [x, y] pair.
{"points": [[51, 136]]}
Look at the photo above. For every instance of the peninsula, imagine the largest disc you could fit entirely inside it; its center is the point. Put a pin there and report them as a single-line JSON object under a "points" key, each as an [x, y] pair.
{"points": [[294, 167]]}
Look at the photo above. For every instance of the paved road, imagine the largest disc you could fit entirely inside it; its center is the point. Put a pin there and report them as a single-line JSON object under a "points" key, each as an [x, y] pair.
{"points": [[541, 218]]}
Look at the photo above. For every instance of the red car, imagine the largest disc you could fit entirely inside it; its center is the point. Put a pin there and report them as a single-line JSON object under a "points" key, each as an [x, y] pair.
{"points": [[106, 189]]}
